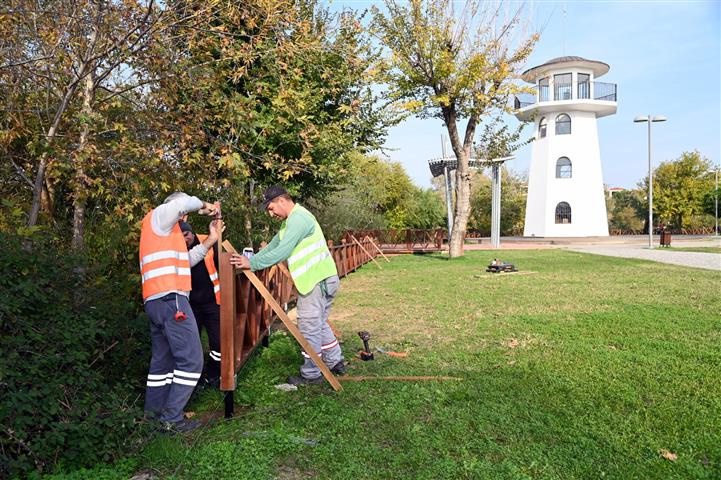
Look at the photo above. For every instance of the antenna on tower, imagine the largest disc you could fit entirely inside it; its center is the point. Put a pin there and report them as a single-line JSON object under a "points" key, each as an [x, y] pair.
{"points": [[563, 40]]}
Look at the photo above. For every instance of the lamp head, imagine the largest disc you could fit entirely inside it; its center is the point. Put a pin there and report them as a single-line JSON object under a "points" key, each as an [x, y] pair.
{"points": [[640, 118], [658, 118]]}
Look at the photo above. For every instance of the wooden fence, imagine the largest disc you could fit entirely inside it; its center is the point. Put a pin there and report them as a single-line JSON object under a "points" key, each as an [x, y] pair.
{"points": [[402, 241], [245, 315]]}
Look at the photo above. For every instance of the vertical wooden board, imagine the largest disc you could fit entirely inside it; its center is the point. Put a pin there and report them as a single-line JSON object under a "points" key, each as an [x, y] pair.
{"points": [[242, 324], [227, 278]]}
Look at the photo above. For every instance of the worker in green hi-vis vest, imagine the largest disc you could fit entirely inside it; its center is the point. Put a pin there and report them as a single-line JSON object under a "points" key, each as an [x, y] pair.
{"points": [[300, 240]]}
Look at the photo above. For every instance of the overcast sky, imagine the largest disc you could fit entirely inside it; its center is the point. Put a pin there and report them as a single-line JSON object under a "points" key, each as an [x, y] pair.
{"points": [[665, 58]]}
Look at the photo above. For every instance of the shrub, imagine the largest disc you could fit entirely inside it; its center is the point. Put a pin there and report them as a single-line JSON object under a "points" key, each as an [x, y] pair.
{"points": [[74, 353]]}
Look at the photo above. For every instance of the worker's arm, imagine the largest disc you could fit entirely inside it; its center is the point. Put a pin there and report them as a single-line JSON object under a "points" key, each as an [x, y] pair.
{"points": [[198, 252], [167, 215], [296, 229]]}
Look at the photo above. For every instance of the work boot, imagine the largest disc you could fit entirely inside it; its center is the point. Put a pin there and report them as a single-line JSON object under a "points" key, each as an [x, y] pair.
{"points": [[339, 368], [300, 380], [185, 425]]}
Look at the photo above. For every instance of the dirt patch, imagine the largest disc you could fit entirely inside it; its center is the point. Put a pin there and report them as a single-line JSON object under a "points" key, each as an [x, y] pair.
{"points": [[289, 470]]}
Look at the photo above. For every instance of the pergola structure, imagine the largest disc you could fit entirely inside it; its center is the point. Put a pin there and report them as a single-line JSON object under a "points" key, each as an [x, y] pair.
{"points": [[445, 165]]}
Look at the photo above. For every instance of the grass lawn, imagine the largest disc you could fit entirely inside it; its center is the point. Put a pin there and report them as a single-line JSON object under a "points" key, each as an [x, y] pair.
{"points": [[696, 249], [589, 368]]}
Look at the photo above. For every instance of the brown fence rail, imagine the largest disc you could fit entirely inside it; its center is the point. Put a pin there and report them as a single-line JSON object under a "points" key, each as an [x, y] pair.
{"points": [[245, 316], [657, 231], [402, 241]]}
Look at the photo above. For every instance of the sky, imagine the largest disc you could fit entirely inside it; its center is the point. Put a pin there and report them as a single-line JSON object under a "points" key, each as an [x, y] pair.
{"points": [[665, 58]]}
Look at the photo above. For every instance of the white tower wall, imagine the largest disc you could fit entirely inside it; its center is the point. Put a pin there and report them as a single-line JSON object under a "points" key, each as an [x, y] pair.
{"points": [[583, 191]]}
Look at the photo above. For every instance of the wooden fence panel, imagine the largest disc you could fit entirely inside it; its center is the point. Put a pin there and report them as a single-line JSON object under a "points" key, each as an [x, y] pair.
{"points": [[245, 316]]}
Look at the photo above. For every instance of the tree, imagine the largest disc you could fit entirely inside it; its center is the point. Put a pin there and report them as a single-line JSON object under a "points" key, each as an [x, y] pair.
{"points": [[513, 207], [454, 66], [378, 194], [70, 49], [627, 210], [679, 187]]}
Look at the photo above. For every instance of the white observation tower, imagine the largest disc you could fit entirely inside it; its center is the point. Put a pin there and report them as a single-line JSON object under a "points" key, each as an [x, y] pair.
{"points": [[565, 181]]}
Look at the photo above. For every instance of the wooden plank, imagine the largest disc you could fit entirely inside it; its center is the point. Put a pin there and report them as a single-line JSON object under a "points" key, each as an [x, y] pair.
{"points": [[366, 251], [227, 319], [362, 378], [293, 315], [377, 248], [502, 274], [293, 329]]}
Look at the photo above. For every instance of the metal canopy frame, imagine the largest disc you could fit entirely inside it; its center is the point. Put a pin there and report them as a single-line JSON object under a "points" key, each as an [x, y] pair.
{"points": [[445, 165]]}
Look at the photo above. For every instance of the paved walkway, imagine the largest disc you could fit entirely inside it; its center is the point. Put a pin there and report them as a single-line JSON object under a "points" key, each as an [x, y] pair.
{"points": [[710, 261]]}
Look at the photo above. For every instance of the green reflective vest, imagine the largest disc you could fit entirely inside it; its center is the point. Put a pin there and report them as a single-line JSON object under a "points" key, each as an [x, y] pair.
{"points": [[310, 261]]}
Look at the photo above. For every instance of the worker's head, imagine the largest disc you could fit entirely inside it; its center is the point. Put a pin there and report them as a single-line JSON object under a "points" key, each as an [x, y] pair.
{"points": [[187, 233], [277, 202], [173, 196]]}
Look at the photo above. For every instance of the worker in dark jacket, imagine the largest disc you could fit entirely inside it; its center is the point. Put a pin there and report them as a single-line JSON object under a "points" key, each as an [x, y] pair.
{"points": [[205, 302]]}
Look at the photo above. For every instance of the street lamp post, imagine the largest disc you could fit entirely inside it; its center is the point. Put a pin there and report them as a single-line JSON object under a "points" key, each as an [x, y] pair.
{"points": [[650, 119], [716, 204]]}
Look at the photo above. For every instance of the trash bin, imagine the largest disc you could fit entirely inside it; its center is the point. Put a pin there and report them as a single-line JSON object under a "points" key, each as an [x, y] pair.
{"points": [[665, 238]]}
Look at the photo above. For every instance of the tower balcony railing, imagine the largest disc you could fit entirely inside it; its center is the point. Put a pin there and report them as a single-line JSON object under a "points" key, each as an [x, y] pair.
{"points": [[565, 91]]}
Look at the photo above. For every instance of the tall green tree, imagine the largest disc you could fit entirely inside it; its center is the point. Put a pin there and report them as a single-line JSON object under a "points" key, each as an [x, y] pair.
{"points": [[627, 210], [679, 187], [455, 63]]}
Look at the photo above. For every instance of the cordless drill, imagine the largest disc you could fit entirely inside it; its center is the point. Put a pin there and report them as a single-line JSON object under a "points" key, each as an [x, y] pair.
{"points": [[366, 353]]}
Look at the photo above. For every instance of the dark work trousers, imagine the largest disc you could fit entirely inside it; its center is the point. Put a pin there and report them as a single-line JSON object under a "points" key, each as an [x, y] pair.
{"points": [[208, 316], [177, 357]]}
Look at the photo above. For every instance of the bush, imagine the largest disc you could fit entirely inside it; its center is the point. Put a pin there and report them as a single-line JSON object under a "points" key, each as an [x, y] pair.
{"points": [[72, 369]]}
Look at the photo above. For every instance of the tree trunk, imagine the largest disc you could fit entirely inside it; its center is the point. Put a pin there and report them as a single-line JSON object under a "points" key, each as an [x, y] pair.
{"points": [[463, 179], [80, 195], [249, 217], [42, 167]]}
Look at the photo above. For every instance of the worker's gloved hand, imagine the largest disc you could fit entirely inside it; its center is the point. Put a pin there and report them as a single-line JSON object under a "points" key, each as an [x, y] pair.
{"points": [[208, 209], [216, 228], [240, 261]]}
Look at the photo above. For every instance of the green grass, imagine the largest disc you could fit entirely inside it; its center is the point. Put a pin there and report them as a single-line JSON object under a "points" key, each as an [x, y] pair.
{"points": [[696, 249], [586, 369]]}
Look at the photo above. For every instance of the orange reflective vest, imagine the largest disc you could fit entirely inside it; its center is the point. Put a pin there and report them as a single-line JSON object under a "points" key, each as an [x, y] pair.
{"points": [[164, 263], [212, 271]]}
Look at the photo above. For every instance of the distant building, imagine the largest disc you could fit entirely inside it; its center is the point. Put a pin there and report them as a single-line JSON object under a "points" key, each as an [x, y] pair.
{"points": [[612, 190], [565, 181]]}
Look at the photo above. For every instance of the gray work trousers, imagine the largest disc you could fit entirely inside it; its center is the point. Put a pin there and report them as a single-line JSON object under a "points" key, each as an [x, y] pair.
{"points": [[177, 357], [313, 311]]}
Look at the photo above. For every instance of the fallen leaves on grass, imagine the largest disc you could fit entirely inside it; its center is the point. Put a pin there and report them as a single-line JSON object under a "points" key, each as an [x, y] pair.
{"points": [[189, 414], [668, 455], [513, 343]]}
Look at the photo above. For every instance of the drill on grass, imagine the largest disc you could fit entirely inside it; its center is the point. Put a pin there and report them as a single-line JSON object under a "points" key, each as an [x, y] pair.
{"points": [[365, 354]]}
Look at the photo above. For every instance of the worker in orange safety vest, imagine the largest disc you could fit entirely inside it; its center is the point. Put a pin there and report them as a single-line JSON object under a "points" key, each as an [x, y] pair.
{"points": [[165, 262]]}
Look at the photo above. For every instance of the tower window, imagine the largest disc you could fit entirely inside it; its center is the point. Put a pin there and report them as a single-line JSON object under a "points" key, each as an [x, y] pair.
{"points": [[543, 89], [542, 128], [563, 168], [563, 124], [562, 86], [584, 86], [563, 213]]}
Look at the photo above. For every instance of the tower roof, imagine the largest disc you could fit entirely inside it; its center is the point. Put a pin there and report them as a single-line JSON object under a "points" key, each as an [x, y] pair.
{"points": [[532, 74]]}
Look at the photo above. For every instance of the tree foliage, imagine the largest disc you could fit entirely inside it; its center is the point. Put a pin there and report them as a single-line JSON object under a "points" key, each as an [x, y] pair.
{"points": [[379, 194], [456, 65], [513, 202], [679, 187]]}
